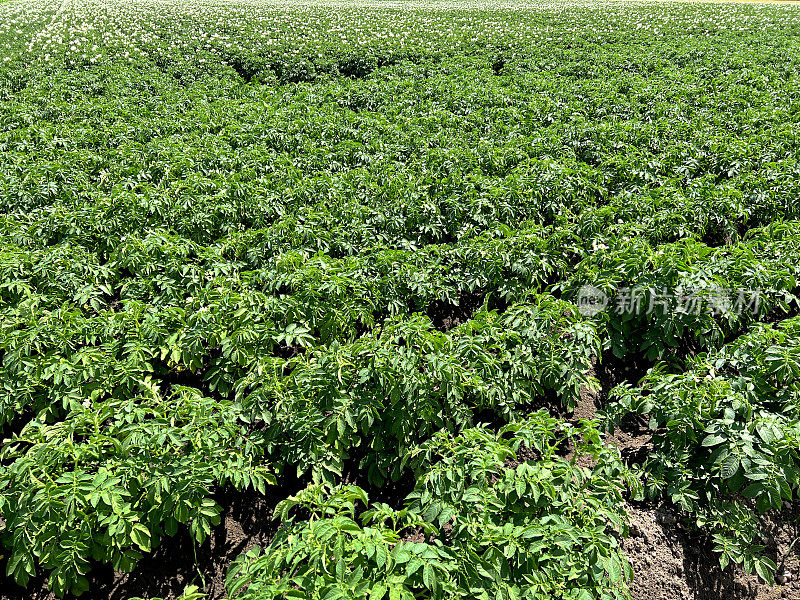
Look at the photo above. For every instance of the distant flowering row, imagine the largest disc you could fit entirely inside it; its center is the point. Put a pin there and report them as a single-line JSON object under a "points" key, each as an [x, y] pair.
{"points": [[88, 31]]}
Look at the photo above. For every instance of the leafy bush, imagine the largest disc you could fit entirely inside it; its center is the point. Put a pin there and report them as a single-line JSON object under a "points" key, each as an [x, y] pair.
{"points": [[725, 437], [481, 523], [387, 391], [112, 479]]}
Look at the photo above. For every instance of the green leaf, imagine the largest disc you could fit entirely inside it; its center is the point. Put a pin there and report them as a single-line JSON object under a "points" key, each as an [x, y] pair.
{"points": [[141, 536], [413, 566], [753, 490], [614, 568], [381, 554], [713, 440], [729, 465], [378, 591], [429, 577], [765, 569]]}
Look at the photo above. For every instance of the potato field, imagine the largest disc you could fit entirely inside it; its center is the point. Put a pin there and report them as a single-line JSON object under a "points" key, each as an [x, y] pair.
{"points": [[399, 300]]}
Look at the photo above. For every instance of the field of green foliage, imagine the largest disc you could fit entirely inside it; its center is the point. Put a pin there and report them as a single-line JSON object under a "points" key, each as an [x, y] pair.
{"points": [[347, 245]]}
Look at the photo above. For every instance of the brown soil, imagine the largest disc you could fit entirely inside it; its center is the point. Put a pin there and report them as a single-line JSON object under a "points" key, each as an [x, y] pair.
{"points": [[672, 563], [633, 436], [445, 316]]}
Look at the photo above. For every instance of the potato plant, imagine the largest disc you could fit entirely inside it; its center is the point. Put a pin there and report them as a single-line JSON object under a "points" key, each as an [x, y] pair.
{"points": [[545, 527], [725, 437]]}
